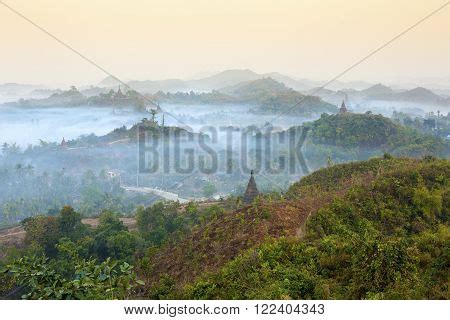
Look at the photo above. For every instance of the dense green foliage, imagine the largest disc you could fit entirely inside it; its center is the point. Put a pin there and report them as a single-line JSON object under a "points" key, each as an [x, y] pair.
{"points": [[66, 259], [71, 277], [389, 239], [163, 221], [371, 132], [109, 239], [353, 130]]}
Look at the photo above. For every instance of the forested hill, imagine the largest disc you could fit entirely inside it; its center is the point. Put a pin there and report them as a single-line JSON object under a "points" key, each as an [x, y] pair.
{"points": [[374, 132], [354, 130], [266, 96], [374, 229], [270, 96]]}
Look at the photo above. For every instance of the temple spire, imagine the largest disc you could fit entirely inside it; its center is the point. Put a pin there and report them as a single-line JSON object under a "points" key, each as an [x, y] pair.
{"points": [[119, 93], [63, 143], [343, 108], [252, 190]]}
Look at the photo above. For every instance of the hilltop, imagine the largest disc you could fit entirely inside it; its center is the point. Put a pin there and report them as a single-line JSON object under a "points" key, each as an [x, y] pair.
{"points": [[354, 130], [416, 95], [421, 95], [270, 96], [322, 240], [374, 132], [266, 96], [256, 89], [377, 90]]}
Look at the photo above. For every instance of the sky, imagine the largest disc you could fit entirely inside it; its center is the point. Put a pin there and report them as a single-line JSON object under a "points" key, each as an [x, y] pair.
{"points": [[158, 39]]}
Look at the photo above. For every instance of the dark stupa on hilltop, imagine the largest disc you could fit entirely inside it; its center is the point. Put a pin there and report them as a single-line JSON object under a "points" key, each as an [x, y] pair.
{"points": [[252, 190], [343, 108]]}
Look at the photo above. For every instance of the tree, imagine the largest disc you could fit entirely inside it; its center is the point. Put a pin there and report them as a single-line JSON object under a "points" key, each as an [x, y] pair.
{"points": [[70, 224], [109, 226], [43, 231], [158, 222], [121, 246]]}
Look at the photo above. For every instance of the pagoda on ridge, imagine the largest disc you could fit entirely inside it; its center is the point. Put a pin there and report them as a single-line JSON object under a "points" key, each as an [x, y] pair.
{"points": [[119, 94], [252, 190], [63, 144], [343, 108]]}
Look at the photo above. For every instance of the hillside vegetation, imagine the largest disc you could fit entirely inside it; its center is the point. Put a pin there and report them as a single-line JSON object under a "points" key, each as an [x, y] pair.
{"points": [[265, 96], [375, 229], [271, 96], [374, 132]]}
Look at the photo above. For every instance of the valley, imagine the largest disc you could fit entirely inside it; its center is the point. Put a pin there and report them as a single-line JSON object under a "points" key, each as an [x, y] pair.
{"points": [[160, 181]]}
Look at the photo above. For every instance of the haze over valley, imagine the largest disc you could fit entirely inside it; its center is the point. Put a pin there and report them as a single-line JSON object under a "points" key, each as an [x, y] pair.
{"points": [[77, 131], [218, 101], [248, 149]]}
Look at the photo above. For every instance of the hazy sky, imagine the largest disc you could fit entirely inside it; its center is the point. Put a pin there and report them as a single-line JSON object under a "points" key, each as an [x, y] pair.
{"points": [[154, 39]]}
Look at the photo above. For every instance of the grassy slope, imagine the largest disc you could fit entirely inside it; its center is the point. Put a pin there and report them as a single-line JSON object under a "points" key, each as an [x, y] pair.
{"points": [[214, 244], [387, 237]]}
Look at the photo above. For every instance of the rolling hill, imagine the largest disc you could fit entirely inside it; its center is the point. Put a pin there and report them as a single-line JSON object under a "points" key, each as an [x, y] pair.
{"points": [[374, 229], [272, 97], [256, 89], [373, 132]]}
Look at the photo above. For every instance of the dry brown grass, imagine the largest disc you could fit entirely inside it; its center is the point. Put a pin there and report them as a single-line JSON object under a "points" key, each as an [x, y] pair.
{"points": [[12, 237], [211, 245]]}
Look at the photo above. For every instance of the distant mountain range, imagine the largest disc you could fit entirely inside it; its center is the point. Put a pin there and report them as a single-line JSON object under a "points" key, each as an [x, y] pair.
{"points": [[229, 80], [234, 80], [223, 79], [380, 92], [419, 95], [220, 80]]}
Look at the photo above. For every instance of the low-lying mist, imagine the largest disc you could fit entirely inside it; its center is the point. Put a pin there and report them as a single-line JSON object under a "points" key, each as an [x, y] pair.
{"points": [[29, 126], [95, 172]]}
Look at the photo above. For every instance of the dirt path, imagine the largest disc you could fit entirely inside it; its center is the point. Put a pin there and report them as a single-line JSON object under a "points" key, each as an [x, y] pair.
{"points": [[12, 237]]}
